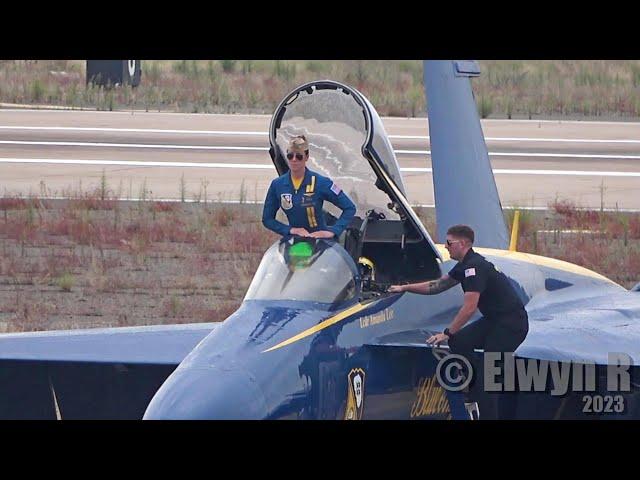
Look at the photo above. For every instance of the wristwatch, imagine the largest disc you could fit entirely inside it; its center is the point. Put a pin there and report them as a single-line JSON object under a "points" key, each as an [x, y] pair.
{"points": [[447, 333]]}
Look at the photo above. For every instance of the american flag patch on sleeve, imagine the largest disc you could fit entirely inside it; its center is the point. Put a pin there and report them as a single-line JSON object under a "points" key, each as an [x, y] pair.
{"points": [[335, 189], [469, 272]]}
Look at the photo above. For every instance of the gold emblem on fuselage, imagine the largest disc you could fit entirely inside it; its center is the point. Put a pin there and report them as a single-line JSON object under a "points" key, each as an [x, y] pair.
{"points": [[431, 399], [355, 395]]}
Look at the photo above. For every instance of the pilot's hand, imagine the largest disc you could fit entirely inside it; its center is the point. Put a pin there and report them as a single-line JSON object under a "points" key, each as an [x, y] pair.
{"points": [[437, 339], [302, 232], [395, 289], [322, 234]]}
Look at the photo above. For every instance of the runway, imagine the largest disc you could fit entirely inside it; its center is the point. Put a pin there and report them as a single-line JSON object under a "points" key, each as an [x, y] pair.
{"points": [[225, 157]]}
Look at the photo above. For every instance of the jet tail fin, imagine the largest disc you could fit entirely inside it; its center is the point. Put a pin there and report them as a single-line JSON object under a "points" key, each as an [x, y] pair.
{"points": [[464, 187]]}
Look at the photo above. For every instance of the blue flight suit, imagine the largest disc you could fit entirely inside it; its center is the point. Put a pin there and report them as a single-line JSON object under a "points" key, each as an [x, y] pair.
{"points": [[303, 207]]}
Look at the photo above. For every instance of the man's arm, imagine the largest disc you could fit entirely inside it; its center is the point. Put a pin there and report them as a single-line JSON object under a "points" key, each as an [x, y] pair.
{"points": [[464, 314], [431, 287]]}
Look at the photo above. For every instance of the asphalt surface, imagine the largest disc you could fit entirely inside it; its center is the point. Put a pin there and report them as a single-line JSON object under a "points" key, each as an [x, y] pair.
{"points": [[226, 156]]}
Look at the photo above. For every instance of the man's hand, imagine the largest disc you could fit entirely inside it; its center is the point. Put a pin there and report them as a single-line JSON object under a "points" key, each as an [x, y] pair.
{"points": [[437, 339], [396, 289], [302, 232], [322, 234]]}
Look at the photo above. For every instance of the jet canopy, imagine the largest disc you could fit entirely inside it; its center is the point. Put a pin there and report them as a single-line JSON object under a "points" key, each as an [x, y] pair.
{"points": [[305, 270], [348, 143]]}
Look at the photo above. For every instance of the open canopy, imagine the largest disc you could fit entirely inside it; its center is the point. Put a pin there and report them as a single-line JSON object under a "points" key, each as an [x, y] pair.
{"points": [[348, 144]]}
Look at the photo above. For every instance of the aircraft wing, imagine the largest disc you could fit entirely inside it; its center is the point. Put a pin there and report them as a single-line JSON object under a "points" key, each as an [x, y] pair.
{"points": [[585, 330], [154, 344], [578, 330], [109, 373]]}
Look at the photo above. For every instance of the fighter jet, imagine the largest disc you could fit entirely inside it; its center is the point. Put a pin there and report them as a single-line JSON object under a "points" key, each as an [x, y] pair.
{"points": [[317, 335]]}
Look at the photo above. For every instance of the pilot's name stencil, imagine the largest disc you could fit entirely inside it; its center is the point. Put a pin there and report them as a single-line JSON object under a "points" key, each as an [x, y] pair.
{"points": [[376, 318]]}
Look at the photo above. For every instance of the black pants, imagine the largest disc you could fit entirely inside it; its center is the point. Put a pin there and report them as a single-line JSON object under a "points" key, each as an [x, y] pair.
{"points": [[501, 334]]}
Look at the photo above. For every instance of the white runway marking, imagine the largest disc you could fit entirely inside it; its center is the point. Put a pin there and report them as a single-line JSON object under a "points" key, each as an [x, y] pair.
{"points": [[578, 173], [63, 110], [523, 154], [132, 163], [132, 145], [265, 149], [264, 166], [529, 139], [250, 133], [132, 130], [260, 202], [53, 109]]}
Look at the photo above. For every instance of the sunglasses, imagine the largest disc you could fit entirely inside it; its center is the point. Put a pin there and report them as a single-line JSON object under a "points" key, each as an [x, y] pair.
{"points": [[451, 242], [298, 156]]}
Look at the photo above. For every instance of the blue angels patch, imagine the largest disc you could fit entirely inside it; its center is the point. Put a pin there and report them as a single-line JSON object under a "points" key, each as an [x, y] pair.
{"points": [[286, 201], [355, 395]]}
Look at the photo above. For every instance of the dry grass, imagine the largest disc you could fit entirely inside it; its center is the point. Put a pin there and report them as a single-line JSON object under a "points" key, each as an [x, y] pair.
{"points": [[134, 263], [606, 242], [519, 88], [73, 264]]}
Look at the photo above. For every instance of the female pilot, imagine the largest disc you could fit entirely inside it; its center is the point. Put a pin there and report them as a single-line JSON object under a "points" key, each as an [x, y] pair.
{"points": [[300, 193]]}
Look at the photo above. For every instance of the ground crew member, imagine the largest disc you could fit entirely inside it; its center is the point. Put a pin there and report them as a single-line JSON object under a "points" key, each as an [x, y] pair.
{"points": [[504, 324], [301, 193]]}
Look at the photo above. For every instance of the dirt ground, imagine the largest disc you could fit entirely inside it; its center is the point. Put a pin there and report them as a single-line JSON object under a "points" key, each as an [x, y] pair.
{"points": [[88, 262], [73, 269]]}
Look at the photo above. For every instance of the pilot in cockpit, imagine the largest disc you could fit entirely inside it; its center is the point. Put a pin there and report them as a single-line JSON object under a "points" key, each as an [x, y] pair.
{"points": [[301, 193]]}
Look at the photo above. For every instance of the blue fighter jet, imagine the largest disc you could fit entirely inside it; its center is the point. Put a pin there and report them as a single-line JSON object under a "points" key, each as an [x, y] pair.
{"points": [[317, 335]]}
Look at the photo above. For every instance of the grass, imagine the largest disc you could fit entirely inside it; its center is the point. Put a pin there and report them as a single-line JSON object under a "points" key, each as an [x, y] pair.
{"points": [[606, 242], [506, 89], [161, 251], [94, 262], [66, 282]]}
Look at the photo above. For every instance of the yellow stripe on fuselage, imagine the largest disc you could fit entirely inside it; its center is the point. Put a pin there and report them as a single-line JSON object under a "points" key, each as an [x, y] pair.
{"points": [[324, 324], [535, 259]]}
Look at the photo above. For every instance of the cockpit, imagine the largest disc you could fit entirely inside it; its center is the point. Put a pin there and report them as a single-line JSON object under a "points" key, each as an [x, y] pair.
{"points": [[386, 242], [313, 270]]}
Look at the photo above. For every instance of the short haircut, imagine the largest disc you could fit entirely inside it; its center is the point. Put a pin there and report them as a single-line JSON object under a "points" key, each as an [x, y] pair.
{"points": [[462, 231], [299, 144]]}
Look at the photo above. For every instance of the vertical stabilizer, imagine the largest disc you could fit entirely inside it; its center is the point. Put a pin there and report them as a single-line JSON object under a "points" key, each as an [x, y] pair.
{"points": [[464, 187]]}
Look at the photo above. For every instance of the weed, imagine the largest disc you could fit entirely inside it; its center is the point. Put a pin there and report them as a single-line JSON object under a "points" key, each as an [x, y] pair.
{"points": [[66, 281], [183, 189]]}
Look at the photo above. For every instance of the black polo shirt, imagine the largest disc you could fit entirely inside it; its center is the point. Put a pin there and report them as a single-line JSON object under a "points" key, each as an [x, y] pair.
{"points": [[497, 296]]}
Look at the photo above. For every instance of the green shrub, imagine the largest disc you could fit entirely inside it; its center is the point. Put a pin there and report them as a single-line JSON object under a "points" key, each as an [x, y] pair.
{"points": [[66, 281]]}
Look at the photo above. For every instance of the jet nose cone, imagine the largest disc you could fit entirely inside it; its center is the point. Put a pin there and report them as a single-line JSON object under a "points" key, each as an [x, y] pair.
{"points": [[208, 394]]}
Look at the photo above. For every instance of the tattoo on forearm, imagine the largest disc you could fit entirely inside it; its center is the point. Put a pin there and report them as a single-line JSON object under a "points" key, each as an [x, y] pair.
{"points": [[440, 285]]}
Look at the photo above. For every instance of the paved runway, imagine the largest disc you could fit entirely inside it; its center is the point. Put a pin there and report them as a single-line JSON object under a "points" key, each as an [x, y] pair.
{"points": [[55, 153]]}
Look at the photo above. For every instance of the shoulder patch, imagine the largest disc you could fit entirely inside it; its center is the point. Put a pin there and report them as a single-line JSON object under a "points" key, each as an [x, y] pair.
{"points": [[469, 272], [335, 188], [286, 201]]}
